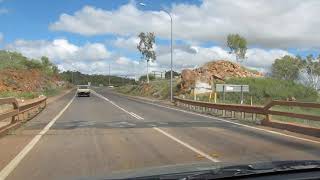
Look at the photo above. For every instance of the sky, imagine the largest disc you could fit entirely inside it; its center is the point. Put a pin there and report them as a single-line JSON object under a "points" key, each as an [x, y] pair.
{"points": [[90, 35]]}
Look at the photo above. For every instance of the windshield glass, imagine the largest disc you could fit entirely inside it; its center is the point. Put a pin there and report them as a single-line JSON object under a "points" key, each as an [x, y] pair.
{"points": [[145, 87], [83, 87]]}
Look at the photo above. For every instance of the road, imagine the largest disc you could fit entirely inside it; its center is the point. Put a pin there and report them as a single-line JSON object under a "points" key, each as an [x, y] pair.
{"points": [[93, 136]]}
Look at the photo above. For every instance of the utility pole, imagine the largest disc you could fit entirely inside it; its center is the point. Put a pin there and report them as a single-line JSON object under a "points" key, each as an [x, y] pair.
{"points": [[109, 74], [171, 63], [171, 74], [72, 78]]}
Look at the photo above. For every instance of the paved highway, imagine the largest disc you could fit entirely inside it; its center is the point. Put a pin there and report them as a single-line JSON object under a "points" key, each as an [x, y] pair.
{"points": [[93, 136]]}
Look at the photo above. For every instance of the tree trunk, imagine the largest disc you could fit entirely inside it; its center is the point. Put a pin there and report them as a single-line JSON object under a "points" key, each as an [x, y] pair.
{"points": [[148, 72]]}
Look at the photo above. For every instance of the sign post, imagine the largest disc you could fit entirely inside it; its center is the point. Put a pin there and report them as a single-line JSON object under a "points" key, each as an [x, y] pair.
{"points": [[224, 88]]}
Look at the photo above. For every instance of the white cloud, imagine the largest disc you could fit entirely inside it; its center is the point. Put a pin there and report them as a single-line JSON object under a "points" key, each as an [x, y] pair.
{"points": [[258, 59], [272, 23], [129, 43], [60, 50], [94, 58]]}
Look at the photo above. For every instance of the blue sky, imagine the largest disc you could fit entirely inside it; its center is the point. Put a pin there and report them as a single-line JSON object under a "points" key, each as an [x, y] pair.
{"points": [[87, 35], [30, 19]]}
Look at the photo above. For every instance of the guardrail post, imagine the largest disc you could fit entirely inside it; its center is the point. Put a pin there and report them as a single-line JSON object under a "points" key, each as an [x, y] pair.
{"points": [[267, 119]]}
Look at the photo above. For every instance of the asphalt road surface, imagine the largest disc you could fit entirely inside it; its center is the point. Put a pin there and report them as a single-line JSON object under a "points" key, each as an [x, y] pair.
{"points": [[93, 136]]}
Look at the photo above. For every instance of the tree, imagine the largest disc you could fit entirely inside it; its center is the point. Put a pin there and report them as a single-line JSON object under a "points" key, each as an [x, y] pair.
{"points": [[167, 75], [286, 68], [238, 46], [310, 72], [45, 62], [145, 77], [145, 46]]}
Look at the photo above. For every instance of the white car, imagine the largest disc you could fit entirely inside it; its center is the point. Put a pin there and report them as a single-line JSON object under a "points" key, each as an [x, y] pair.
{"points": [[83, 90]]}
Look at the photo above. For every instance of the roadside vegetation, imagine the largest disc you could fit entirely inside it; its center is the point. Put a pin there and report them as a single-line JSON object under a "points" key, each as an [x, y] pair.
{"points": [[26, 78], [95, 79], [156, 88], [290, 78]]}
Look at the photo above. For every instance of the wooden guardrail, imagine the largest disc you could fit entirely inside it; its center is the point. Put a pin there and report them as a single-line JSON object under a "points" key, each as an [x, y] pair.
{"points": [[254, 110], [17, 113]]}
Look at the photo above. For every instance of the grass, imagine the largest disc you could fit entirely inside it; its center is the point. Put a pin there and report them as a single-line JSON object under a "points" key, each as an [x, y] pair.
{"points": [[31, 95], [159, 88], [264, 89], [260, 89], [24, 95], [298, 110]]}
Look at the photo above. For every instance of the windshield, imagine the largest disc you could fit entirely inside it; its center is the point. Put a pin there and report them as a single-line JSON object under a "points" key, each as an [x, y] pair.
{"points": [[145, 87], [83, 87]]}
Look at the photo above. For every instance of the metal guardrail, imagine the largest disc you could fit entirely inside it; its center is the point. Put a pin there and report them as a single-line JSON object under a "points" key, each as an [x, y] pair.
{"points": [[18, 111], [262, 110]]}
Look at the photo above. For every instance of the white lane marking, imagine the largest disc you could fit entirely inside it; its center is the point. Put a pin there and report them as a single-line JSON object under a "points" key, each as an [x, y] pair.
{"points": [[243, 125], [4, 173], [139, 117], [169, 135], [131, 113], [186, 145], [134, 115]]}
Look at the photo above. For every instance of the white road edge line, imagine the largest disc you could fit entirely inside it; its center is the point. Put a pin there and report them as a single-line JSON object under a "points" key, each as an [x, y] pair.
{"points": [[186, 145], [167, 134], [4, 173], [243, 125]]}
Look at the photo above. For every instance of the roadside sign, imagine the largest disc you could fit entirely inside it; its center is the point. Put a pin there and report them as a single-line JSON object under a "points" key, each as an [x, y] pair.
{"points": [[224, 88], [232, 88]]}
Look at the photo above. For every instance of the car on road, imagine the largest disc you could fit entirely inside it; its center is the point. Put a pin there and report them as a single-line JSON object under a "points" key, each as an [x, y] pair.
{"points": [[83, 90]]}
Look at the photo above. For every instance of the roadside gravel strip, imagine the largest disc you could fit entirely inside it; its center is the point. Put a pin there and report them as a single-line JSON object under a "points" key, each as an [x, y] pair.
{"points": [[201, 153]]}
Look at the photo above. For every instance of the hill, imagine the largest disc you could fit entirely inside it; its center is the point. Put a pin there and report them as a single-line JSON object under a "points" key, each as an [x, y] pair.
{"points": [[24, 77]]}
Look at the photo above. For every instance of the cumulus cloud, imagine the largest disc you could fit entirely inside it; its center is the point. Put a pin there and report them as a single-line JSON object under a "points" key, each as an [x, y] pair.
{"points": [[259, 59], [60, 50], [94, 58], [272, 24], [129, 43], [91, 58]]}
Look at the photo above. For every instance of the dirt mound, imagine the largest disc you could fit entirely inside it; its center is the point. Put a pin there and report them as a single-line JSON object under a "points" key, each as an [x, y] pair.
{"points": [[215, 70], [25, 80]]}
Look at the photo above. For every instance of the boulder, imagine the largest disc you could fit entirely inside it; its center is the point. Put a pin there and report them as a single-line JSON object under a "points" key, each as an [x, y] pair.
{"points": [[214, 71]]}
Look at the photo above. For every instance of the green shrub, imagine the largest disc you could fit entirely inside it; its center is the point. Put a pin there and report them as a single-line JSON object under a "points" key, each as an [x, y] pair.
{"points": [[263, 89], [144, 77]]}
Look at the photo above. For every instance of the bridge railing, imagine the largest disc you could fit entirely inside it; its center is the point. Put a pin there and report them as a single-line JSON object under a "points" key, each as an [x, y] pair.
{"points": [[19, 112], [264, 112]]}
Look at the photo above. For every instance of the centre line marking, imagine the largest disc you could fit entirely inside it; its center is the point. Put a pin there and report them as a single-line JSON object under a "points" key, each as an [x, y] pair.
{"points": [[4, 173], [137, 116], [164, 132], [131, 113]]}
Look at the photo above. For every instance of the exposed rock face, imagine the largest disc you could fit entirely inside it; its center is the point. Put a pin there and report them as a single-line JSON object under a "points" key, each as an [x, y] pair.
{"points": [[215, 70], [25, 80], [188, 78]]}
